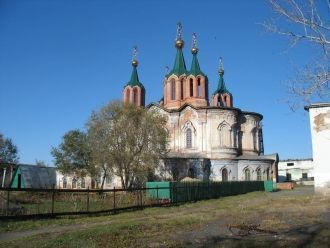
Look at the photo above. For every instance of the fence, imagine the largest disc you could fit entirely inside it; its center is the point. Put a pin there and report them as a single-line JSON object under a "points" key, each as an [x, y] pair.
{"points": [[29, 203]]}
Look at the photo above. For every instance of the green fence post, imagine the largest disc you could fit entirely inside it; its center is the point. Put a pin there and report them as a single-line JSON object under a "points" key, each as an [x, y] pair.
{"points": [[7, 210], [88, 199], [53, 198], [157, 195], [114, 199]]}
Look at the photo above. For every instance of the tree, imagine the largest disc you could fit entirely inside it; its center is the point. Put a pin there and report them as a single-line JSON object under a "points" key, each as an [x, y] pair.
{"points": [[41, 163], [305, 21], [8, 151], [73, 154], [129, 140], [99, 129]]}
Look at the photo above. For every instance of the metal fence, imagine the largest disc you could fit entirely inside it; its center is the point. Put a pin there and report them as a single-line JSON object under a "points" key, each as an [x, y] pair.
{"points": [[29, 203]]}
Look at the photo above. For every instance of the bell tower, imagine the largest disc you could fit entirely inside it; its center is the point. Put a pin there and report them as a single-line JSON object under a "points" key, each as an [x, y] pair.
{"points": [[222, 97], [182, 86], [134, 91], [197, 82]]}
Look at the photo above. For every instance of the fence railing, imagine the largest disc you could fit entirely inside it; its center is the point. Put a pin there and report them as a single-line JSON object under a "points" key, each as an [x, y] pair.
{"points": [[29, 203]]}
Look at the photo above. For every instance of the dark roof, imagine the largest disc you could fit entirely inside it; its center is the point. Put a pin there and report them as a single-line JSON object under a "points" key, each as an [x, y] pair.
{"points": [[134, 79], [179, 67], [195, 68], [317, 105], [38, 177], [222, 89]]}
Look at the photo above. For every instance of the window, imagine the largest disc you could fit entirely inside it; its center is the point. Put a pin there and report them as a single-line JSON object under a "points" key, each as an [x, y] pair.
{"points": [[225, 101], [254, 138], [74, 183], [225, 135], [259, 178], [191, 87], [288, 176], [175, 174], [82, 183], [191, 173], [224, 175], [108, 179], [304, 176], [199, 87], [182, 89], [188, 138], [135, 96], [290, 164], [172, 89], [65, 182], [247, 175], [127, 95]]}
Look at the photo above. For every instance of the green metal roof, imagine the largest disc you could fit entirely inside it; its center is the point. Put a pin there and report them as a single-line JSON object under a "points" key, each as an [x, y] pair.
{"points": [[134, 79], [179, 64], [221, 85], [195, 69]]}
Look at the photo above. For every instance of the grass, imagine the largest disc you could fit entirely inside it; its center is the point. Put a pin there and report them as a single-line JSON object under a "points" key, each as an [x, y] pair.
{"points": [[201, 224]]}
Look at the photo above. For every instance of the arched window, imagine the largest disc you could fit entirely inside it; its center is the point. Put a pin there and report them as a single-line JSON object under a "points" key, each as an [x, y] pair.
{"points": [[74, 183], [127, 95], [191, 173], [191, 87], [259, 178], [182, 89], [135, 96], [255, 139], [225, 133], [235, 136], [247, 174], [172, 89], [82, 183], [188, 138], [225, 101], [175, 174], [65, 182], [224, 175], [198, 87]]}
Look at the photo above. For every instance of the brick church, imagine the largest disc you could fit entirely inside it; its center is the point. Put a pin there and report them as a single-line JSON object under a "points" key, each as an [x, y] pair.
{"points": [[209, 137]]}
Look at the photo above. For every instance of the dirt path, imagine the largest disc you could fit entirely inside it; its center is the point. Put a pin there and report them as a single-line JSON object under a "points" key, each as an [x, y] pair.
{"points": [[50, 230]]}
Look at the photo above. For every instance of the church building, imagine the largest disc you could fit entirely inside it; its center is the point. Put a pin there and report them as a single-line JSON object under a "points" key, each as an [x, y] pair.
{"points": [[209, 137]]}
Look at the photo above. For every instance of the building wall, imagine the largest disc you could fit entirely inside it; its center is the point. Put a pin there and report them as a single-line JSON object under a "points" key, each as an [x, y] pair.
{"points": [[217, 133], [320, 129], [109, 183], [295, 169]]}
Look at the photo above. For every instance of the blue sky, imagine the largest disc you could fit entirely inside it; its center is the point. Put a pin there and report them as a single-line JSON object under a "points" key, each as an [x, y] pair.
{"points": [[59, 60]]}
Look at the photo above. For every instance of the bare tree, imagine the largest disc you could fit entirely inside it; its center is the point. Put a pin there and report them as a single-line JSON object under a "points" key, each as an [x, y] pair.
{"points": [[305, 21]]}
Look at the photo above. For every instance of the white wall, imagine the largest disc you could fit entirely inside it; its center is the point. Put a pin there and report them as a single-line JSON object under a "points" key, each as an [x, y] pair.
{"points": [[296, 168], [320, 129]]}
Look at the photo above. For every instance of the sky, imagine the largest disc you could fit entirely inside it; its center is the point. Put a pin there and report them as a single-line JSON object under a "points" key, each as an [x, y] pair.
{"points": [[60, 60]]}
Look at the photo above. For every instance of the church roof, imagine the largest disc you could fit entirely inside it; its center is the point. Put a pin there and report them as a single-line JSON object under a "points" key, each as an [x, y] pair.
{"points": [[195, 68], [221, 84], [134, 78], [179, 67]]}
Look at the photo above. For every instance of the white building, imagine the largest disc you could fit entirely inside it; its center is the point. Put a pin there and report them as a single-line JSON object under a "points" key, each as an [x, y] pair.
{"points": [[298, 170], [319, 114]]}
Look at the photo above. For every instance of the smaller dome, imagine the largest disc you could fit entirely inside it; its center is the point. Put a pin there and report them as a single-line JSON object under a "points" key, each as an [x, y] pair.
{"points": [[194, 50], [179, 43], [135, 63]]}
